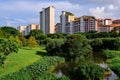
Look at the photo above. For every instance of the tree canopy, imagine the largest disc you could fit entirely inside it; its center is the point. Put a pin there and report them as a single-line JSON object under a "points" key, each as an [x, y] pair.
{"points": [[7, 31], [76, 47]]}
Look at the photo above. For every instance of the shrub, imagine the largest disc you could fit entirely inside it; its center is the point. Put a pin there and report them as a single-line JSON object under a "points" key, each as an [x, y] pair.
{"points": [[88, 71], [114, 64]]}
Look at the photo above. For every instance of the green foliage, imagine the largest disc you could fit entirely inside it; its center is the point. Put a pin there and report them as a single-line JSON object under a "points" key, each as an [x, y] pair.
{"points": [[88, 71], [57, 35], [32, 42], [24, 57], [39, 36], [113, 60], [52, 76], [105, 43], [97, 44], [36, 33], [9, 31], [114, 64], [22, 39], [113, 33], [7, 47], [109, 54], [36, 70], [76, 47], [54, 46], [16, 39], [1, 34]]}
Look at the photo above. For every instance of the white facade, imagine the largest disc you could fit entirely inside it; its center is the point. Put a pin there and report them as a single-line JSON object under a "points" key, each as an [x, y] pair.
{"points": [[82, 25], [63, 21], [47, 20]]}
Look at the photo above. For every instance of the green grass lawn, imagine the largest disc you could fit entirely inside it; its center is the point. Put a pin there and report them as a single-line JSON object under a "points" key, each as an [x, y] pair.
{"points": [[23, 58]]}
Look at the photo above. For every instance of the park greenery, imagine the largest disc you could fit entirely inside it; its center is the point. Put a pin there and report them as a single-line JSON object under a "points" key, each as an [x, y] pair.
{"points": [[36, 56]]}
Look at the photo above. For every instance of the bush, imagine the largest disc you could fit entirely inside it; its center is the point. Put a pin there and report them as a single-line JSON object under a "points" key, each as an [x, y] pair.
{"points": [[114, 64], [109, 54], [106, 43], [88, 71]]}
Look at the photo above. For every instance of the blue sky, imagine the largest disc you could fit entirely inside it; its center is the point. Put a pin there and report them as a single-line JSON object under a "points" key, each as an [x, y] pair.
{"points": [[22, 12]]}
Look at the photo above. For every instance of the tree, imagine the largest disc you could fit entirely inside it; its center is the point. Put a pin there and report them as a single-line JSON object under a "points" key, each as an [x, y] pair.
{"points": [[7, 47], [53, 47], [97, 44], [39, 36], [113, 33], [36, 33], [8, 31], [76, 47], [88, 71], [32, 42]]}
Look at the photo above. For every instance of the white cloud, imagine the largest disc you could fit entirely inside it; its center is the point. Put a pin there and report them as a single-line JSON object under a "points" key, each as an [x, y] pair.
{"points": [[112, 7], [100, 12], [107, 1], [22, 8]]}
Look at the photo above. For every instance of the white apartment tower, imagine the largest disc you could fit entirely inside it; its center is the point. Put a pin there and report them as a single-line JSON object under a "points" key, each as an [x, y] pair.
{"points": [[65, 18], [47, 20]]}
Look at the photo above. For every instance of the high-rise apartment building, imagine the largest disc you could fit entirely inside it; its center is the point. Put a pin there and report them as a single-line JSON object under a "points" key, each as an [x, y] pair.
{"points": [[47, 20], [81, 24], [65, 18]]}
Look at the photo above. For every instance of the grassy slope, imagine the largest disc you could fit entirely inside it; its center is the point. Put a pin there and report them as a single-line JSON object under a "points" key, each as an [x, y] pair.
{"points": [[16, 61]]}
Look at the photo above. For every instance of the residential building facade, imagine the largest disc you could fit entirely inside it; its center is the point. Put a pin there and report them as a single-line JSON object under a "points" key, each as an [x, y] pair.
{"points": [[81, 24], [47, 20], [21, 29], [65, 18], [25, 30]]}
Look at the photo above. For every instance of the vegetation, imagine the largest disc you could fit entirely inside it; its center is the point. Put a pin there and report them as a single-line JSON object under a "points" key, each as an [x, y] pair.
{"points": [[38, 35], [53, 46], [35, 71], [113, 59], [24, 57], [9, 31], [105, 43], [6, 47], [32, 42], [76, 47], [88, 71]]}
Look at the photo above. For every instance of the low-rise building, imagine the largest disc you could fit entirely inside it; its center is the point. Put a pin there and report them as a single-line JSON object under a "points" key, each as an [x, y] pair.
{"points": [[26, 29]]}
